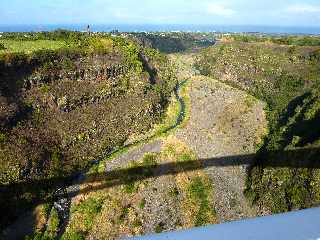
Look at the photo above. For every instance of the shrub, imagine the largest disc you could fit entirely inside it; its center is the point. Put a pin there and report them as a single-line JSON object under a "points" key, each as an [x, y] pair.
{"points": [[2, 138], [2, 47]]}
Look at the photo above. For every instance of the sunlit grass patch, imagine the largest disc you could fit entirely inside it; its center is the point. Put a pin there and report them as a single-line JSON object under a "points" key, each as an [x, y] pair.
{"points": [[52, 225], [199, 191], [47, 222], [184, 92], [13, 46], [88, 209], [84, 215], [250, 101], [164, 128]]}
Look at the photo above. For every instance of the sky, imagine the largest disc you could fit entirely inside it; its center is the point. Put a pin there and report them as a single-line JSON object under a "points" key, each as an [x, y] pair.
{"points": [[197, 12]]}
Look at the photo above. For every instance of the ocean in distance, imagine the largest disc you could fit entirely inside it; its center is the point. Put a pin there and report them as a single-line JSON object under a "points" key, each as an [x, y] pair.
{"points": [[166, 28]]}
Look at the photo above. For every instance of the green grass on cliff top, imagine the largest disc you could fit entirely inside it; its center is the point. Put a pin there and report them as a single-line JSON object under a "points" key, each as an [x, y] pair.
{"points": [[14, 46]]}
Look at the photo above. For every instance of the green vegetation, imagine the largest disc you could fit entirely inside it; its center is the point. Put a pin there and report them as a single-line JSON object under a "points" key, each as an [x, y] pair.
{"points": [[172, 114], [123, 214], [128, 208], [53, 224], [174, 192], [73, 236], [287, 78], [50, 222], [52, 228], [288, 188], [195, 187], [2, 138], [88, 209], [199, 191], [250, 101], [181, 155], [282, 40], [142, 204], [159, 228], [164, 128], [84, 215]]}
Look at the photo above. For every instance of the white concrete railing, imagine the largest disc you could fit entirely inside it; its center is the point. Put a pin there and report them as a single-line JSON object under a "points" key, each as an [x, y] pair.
{"points": [[298, 225]]}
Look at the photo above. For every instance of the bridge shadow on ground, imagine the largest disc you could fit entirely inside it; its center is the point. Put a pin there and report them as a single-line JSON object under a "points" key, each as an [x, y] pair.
{"points": [[308, 158], [35, 191]]}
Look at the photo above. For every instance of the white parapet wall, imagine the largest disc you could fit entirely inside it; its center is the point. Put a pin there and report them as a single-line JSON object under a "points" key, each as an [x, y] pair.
{"points": [[297, 225]]}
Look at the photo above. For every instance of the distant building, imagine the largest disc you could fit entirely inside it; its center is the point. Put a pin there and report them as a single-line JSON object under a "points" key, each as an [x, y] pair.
{"points": [[115, 32], [88, 29]]}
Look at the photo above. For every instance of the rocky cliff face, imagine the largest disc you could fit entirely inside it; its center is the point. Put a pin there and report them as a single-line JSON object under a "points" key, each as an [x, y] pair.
{"points": [[60, 110]]}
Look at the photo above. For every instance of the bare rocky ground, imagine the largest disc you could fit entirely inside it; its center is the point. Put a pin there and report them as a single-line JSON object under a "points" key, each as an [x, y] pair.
{"points": [[222, 121]]}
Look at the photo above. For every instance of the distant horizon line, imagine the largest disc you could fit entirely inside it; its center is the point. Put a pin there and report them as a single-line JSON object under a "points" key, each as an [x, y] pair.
{"points": [[159, 24]]}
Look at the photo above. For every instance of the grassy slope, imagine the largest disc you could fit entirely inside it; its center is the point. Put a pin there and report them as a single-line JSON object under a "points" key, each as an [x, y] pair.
{"points": [[11, 46], [284, 77]]}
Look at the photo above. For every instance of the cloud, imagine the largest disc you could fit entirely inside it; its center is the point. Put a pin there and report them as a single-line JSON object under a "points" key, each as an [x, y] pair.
{"points": [[303, 9], [220, 10]]}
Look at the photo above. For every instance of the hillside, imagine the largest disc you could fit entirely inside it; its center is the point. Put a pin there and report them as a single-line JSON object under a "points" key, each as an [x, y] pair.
{"points": [[286, 77], [64, 106], [174, 42]]}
